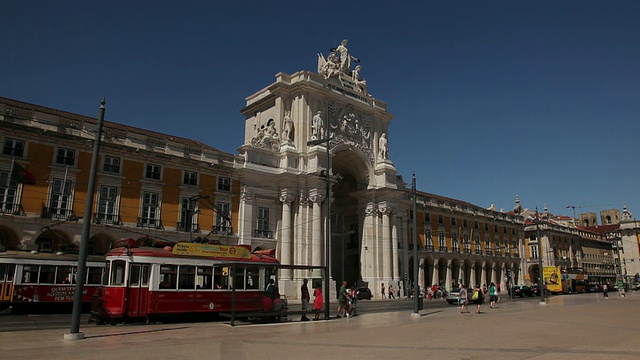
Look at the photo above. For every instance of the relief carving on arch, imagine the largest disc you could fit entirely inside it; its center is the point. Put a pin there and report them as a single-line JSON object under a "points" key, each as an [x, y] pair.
{"points": [[351, 127]]}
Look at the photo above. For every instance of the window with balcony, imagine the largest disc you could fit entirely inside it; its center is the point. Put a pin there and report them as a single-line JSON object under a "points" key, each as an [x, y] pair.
{"points": [[262, 228], [190, 178], [60, 200], [534, 251], [442, 241], [478, 246], [111, 164], [153, 172], [107, 210], [224, 183], [66, 156], [428, 240], [498, 248], [455, 247], [487, 245], [150, 215], [9, 204], [188, 214], [13, 147], [223, 218], [466, 244]]}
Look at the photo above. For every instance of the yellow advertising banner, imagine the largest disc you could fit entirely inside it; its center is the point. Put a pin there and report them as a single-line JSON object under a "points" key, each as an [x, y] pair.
{"points": [[553, 276], [226, 251]]}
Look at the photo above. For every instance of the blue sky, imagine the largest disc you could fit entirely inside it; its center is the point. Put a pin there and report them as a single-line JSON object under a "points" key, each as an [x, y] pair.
{"points": [[491, 98]]}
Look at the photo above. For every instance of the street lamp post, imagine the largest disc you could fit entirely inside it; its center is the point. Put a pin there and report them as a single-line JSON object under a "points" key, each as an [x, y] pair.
{"points": [[416, 262], [539, 257], [327, 252]]}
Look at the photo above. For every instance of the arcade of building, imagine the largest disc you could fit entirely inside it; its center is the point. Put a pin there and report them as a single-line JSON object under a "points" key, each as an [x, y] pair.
{"points": [[156, 187]]}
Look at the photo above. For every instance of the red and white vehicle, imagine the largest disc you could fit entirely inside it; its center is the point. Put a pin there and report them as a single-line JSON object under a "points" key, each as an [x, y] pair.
{"points": [[143, 283], [45, 281]]}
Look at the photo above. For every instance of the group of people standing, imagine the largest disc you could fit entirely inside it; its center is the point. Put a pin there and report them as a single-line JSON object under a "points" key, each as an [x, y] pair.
{"points": [[478, 297]]}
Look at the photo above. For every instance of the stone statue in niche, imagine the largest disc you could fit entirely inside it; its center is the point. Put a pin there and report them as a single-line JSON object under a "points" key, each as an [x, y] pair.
{"points": [[287, 128], [317, 126], [382, 147]]}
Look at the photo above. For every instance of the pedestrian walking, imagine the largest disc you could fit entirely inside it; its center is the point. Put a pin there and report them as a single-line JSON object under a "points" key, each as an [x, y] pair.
{"points": [[317, 302], [605, 290], [478, 297], [391, 292], [493, 297], [463, 299], [304, 295], [383, 296]]}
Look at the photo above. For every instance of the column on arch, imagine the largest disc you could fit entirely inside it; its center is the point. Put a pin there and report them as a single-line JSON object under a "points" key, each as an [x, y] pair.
{"points": [[302, 232], [316, 232], [367, 248], [285, 244], [421, 271], [386, 247], [394, 247], [245, 218], [494, 271]]}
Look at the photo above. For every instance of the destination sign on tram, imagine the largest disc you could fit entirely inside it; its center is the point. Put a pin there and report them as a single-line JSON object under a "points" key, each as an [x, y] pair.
{"points": [[227, 251]]}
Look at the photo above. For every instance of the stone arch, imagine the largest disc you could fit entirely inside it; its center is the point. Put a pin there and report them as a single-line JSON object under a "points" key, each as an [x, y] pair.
{"points": [[534, 273], [489, 270], [456, 272], [100, 244], [9, 239], [52, 240], [349, 160]]}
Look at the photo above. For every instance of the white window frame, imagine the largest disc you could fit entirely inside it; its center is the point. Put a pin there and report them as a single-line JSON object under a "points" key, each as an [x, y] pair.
{"points": [[224, 183], [107, 208], [14, 147], [189, 178], [107, 164], [65, 156], [150, 172]]}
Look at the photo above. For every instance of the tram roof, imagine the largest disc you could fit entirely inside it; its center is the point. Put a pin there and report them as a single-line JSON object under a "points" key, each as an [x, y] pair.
{"points": [[35, 255], [166, 253]]}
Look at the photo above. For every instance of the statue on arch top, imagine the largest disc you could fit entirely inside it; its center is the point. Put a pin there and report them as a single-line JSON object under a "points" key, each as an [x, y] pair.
{"points": [[338, 61]]}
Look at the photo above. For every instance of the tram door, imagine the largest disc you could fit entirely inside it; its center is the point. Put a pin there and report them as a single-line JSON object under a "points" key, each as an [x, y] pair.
{"points": [[138, 290], [7, 272]]}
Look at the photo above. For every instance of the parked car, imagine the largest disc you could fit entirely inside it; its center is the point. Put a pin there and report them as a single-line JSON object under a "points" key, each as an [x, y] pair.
{"points": [[521, 291], [594, 288], [453, 296], [363, 293]]}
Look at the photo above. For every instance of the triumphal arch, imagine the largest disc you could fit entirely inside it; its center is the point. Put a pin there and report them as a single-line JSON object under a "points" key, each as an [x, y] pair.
{"points": [[297, 129]]}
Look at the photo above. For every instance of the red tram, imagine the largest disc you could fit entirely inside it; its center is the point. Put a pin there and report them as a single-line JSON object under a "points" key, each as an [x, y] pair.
{"points": [[31, 281], [146, 282]]}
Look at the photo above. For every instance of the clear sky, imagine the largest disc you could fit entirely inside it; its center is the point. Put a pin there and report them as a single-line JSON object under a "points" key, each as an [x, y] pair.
{"points": [[491, 98]]}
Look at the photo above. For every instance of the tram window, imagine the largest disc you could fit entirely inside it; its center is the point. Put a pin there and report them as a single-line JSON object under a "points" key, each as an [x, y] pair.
{"points": [[145, 275], [253, 278], [7, 271], [134, 275], [117, 272], [168, 276], [63, 275], [187, 277], [47, 274], [204, 277], [105, 279], [30, 274], [238, 281], [94, 275], [221, 277]]}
